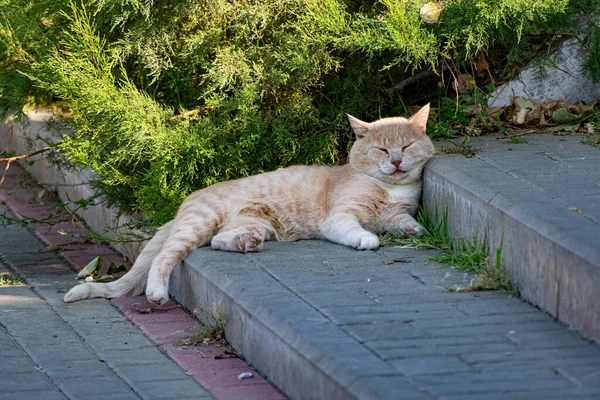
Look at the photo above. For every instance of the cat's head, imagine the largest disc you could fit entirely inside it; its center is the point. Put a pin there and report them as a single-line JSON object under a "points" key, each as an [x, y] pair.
{"points": [[392, 150]]}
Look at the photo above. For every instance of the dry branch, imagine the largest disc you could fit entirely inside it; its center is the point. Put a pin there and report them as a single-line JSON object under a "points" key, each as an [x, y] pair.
{"points": [[8, 160]]}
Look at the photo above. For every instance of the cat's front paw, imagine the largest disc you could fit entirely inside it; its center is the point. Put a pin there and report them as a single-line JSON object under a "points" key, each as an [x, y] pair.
{"points": [[411, 228], [368, 241]]}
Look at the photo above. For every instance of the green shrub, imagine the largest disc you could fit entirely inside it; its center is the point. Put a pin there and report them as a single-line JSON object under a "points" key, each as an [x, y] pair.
{"points": [[165, 97]]}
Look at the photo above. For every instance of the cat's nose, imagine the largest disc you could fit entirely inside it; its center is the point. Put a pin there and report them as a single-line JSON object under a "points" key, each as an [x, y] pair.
{"points": [[397, 163]]}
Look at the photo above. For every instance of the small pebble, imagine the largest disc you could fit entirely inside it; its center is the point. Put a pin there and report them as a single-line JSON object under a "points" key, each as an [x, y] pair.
{"points": [[245, 375]]}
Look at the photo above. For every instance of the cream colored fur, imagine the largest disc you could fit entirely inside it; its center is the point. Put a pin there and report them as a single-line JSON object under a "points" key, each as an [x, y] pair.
{"points": [[376, 192]]}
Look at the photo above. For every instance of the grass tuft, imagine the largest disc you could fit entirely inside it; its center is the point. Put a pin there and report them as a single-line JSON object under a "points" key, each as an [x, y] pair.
{"points": [[212, 332], [465, 255]]}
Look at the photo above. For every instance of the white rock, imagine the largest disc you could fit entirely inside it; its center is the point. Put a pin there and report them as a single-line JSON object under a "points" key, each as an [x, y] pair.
{"points": [[563, 77]]}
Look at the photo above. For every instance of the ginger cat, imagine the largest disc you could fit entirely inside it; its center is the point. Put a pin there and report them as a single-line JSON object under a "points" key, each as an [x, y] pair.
{"points": [[376, 192]]}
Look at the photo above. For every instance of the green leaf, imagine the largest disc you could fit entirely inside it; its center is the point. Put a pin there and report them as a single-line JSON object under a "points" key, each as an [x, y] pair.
{"points": [[524, 103], [563, 116], [565, 128], [91, 269]]}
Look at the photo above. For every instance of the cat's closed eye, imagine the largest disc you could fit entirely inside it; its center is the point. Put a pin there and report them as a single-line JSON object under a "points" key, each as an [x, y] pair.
{"points": [[407, 146], [384, 151]]}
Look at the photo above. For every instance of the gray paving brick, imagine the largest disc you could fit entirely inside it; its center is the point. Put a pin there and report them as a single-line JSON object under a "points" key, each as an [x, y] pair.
{"points": [[35, 259], [139, 356], [498, 306], [58, 352], [102, 387], [373, 315], [445, 350], [497, 382], [46, 394], [524, 395], [582, 373], [80, 368], [172, 389], [531, 354], [390, 387], [427, 365], [24, 380], [545, 340], [165, 371]]}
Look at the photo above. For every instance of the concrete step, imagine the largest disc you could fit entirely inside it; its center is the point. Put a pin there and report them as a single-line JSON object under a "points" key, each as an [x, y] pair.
{"points": [[323, 321], [540, 201]]}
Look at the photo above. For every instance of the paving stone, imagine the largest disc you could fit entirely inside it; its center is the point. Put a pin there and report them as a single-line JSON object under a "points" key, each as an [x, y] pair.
{"points": [[101, 387], [427, 365], [24, 380], [390, 387], [46, 394], [490, 383], [445, 350], [174, 389], [165, 371]]}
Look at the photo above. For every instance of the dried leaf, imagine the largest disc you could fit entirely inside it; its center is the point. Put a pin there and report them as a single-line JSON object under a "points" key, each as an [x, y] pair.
{"points": [[464, 83], [389, 261], [520, 116], [590, 128], [226, 353], [482, 64], [53, 248], [576, 210]]}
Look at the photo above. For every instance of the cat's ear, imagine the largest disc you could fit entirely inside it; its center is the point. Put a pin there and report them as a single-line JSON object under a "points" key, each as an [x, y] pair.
{"points": [[359, 127], [420, 118]]}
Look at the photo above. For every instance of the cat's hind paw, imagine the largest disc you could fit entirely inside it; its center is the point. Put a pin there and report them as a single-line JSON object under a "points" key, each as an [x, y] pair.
{"points": [[411, 228], [157, 293], [368, 241], [251, 242]]}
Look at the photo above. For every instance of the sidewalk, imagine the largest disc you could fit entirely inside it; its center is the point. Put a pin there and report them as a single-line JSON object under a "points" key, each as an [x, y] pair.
{"points": [[98, 349], [53, 350]]}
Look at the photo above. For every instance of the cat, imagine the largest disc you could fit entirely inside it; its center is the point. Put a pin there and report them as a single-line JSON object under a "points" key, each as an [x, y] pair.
{"points": [[377, 191]]}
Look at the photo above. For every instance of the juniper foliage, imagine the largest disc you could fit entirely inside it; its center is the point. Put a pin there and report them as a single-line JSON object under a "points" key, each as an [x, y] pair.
{"points": [[165, 97]]}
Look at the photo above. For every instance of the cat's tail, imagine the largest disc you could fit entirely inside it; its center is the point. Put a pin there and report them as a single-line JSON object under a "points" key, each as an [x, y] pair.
{"points": [[132, 283]]}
